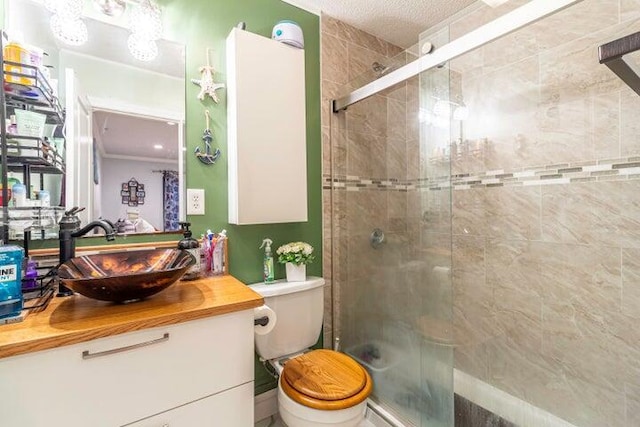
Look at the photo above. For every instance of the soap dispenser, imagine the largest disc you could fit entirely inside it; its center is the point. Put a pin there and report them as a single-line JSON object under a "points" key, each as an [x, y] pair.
{"points": [[191, 245], [267, 265]]}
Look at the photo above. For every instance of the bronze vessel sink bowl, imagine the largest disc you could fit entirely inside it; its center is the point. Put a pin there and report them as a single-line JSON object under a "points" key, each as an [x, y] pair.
{"points": [[125, 276]]}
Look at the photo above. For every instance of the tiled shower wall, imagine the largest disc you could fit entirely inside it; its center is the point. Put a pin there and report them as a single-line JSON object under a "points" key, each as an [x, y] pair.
{"points": [[347, 58], [546, 216]]}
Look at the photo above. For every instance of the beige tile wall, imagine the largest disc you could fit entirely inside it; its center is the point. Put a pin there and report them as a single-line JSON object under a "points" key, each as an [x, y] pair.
{"points": [[546, 278], [546, 295]]}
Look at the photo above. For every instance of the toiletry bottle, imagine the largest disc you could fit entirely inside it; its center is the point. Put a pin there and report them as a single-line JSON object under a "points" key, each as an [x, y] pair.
{"points": [[203, 252], [19, 195], [267, 267], [190, 244], [218, 253], [11, 258], [29, 281]]}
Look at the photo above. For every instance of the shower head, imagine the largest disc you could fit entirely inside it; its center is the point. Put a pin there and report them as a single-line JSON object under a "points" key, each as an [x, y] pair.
{"points": [[379, 68]]}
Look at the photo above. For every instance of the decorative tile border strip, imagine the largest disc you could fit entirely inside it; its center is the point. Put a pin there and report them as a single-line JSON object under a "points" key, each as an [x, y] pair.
{"points": [[621, 169]]}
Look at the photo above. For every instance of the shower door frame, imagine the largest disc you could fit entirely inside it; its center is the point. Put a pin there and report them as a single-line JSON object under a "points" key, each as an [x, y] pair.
{"points": [[519, 18]]}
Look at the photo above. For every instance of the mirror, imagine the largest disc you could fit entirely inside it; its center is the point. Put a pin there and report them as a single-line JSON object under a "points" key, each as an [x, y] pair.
{"points": [[124, 120]]}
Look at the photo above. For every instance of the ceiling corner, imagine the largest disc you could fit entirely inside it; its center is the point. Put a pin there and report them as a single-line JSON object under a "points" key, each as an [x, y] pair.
{"points": [[304, 5]]}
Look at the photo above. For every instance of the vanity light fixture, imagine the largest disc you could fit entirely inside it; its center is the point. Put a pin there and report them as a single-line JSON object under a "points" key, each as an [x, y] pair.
{"points": [[141, 48], [157, 146], [145, 22], [66, 22], [112, 8]]}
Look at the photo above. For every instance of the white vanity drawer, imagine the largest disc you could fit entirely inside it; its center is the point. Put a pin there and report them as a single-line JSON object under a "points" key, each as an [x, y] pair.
{"points": [[199, 358], [232, 408]]}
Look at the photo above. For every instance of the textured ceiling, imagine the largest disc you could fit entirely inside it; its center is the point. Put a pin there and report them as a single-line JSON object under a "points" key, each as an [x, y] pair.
{"points": [[397, 21]]}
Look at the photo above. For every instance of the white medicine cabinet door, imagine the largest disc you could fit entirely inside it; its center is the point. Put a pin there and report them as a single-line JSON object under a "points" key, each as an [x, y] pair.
{"points": [[267, 130]]}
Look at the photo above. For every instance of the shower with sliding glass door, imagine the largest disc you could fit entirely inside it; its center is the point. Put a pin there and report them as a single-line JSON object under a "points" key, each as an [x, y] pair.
{"points": [[482, 220]]}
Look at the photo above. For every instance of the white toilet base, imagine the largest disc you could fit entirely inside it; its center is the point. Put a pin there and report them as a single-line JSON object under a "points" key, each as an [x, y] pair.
{"points": [[297, 415]]}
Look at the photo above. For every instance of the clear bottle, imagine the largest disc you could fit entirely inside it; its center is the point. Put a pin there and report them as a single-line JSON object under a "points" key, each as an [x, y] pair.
{"points": [[267, 264], [19, 194]]}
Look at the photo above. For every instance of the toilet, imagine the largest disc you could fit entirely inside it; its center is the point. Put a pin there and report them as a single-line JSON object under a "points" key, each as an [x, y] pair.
{"points": [[316, 388]]}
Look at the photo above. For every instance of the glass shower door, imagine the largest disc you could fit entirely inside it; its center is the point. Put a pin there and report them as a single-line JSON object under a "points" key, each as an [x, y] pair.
{"points": [[391, 245]]}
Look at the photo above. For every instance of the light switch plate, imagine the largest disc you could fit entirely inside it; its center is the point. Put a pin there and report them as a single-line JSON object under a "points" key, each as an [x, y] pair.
{"points": [[195, 201]]}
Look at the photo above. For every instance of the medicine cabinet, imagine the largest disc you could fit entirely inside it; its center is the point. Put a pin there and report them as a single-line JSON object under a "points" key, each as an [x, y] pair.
{"points": [[266, 130]]}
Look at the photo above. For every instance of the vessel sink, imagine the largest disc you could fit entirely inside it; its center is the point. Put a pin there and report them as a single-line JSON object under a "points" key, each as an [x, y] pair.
{"points": [[125, 276]]}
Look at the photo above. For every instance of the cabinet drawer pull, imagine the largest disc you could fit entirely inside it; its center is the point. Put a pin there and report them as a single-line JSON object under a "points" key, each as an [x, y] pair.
{"points": [[87, 355]]}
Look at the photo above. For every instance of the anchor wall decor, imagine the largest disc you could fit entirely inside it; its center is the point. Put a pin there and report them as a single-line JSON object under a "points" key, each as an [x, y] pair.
{"points": [[207, 157]]}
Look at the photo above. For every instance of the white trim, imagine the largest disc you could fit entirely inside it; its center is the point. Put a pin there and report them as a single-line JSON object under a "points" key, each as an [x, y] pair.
{"points": [[140, 159], [503, 404], [265, 405], [122, 64], [112, 105], [304, 5], [499, 27]]}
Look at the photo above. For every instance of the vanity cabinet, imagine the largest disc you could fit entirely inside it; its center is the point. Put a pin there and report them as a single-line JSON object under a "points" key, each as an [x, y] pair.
{"points": [[196, 373], [266, 126], [26, 89], [218, 410]]}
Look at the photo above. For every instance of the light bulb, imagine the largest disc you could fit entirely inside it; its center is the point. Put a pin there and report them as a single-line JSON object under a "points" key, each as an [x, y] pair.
{"points": [[70, 31], [66, 9], [141, 48], [146, 21], [52, 5]]}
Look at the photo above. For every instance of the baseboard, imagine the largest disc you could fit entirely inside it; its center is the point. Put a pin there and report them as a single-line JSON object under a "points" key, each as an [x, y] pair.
{"points": [[503, 404], [265, 405]]}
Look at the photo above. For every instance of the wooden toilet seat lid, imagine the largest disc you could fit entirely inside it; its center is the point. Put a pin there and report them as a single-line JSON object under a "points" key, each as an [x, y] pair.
{"points": [[324, 377]]}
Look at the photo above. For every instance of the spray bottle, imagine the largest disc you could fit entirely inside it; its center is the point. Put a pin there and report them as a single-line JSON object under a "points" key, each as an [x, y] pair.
{"points": [[267, 265]]}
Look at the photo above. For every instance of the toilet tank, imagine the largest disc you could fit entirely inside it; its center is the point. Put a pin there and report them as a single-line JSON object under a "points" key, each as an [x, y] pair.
{"points": [[299, 307]]}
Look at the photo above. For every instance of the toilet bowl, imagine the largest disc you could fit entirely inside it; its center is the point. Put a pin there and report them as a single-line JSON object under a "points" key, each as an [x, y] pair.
{"points": [[316, 388], [323, 388]]}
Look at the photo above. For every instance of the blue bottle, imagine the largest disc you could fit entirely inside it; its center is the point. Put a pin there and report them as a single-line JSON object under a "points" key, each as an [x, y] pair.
{"points": [[10, 281]]}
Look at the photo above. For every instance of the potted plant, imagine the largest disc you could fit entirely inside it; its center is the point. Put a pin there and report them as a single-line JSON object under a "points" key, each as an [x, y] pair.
{"points": [[295, 256]]}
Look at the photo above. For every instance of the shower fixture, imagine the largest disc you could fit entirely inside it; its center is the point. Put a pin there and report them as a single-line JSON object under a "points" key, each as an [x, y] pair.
{"points": [[379, 68], [612, 55]]}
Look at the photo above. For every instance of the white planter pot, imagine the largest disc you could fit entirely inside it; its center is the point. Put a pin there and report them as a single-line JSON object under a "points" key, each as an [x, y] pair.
{"points": [[296, 273]]}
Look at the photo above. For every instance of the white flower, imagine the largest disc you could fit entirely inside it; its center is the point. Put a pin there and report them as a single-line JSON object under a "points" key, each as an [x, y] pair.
{"points": [[295, 248]]}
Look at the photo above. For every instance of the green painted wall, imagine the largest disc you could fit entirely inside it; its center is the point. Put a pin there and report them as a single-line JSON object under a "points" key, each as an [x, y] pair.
{"points": [[201, 24]]}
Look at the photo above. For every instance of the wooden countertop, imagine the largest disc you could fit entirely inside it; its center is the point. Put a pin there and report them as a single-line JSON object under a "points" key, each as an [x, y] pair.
{"points": [[77, 319]]}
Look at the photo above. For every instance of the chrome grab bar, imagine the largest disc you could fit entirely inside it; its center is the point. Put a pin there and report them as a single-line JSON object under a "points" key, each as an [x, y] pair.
{"points": [[88, 355]]}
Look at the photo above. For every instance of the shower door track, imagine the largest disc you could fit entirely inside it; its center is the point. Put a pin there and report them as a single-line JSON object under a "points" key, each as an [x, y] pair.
{"points": [[499, 27]]}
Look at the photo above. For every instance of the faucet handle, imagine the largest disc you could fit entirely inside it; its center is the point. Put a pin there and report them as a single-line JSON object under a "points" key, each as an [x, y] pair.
{"points": [[74, 210]]}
